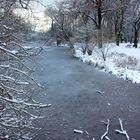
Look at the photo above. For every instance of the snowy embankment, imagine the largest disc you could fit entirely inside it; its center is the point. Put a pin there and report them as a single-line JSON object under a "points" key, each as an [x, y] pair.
{"points": [[122, 61]]}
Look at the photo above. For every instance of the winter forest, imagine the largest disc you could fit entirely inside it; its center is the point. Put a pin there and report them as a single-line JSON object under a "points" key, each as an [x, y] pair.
{"points": [[69, 70]]}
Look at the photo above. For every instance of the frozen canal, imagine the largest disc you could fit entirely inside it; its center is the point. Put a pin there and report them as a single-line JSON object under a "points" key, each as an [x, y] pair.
{"points": [[73, 88]]}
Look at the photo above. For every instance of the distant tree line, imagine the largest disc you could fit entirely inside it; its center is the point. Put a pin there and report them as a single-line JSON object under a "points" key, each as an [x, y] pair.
{"points": [[98, 21]]}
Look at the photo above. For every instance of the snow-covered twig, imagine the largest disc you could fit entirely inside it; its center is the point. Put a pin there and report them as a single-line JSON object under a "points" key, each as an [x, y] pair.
{"points": [[12, 54], [14, 43], [12, 89], [122, 131], [6, 78], [22, 102], [100, 92], [12, 68], [6, 50], [78, 131], [20, 71], [87, 133], [20, 111], [6, 27], [106, 132]]}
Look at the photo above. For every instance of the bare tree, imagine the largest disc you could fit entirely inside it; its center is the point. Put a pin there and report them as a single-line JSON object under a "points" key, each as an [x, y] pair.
{"points": [[95, 10], [17, 107], [136, 22], [120, 7], [85, 18], [61, 20]]}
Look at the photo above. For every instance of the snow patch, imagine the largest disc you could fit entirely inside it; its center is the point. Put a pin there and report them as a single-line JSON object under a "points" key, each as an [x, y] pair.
{"points": [[122, 61]]}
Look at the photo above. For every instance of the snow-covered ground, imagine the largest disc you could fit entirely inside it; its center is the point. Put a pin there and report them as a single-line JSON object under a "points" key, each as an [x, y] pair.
{"points": [[122, 61]]}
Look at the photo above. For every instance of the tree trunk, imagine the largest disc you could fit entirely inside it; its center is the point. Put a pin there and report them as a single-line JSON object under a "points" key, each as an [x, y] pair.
{"points": [[52, 26], [99, 18], [135, 38], [100, 41], [121, 38], [117, 35]]}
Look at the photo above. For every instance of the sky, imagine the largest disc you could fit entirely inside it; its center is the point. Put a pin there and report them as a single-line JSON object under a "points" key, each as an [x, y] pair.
{"points": [[47, 2], [40, 6], [42, 23], [36, 15]]}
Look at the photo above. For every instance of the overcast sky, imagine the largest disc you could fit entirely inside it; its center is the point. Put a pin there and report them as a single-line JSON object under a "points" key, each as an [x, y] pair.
{"points": [[40, 6], [39, 10], [48, 2], [43, 3], [36, 16]]}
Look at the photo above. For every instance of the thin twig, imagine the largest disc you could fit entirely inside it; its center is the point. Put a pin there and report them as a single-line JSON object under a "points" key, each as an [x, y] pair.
{"points": [[20, 71]]}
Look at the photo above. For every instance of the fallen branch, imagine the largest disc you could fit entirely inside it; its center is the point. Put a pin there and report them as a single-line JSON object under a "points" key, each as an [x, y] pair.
{"points": [[100, 92], [106, 132], [87, 133], [78, 131], [122, 131], [41, 48]]}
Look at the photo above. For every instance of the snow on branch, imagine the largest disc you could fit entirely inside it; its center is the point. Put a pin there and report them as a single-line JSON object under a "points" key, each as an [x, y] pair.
{"points": [[7, 78], [6, 27], [20, 71], [12, 54], [4, 78], [17, 108], [12, 68], [22, 102], [22, 111], [18, 45], [13, 89], [6, 50]]}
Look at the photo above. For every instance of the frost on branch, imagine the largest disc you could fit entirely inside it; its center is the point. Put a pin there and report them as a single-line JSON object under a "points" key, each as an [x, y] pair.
{"points": [[17, 108]]}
